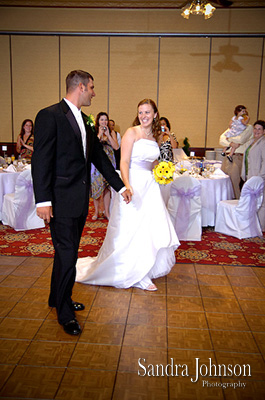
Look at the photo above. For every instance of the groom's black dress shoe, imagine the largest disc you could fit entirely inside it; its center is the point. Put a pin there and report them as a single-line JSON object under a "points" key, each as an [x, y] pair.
{"points": [[77, 306], [72, 327]]}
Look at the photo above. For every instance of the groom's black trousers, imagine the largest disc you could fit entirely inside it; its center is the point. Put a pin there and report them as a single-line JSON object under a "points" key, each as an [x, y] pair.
{"points": [[66, 234]]}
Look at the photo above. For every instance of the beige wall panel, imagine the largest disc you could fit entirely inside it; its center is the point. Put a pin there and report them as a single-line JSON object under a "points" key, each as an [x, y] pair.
{"points": [[235, 75], [5, 98], [262, 93], [240, 20], [133, 77], [89, 54], [183, 87], [35, 76], [73, 20], [129, 20]]}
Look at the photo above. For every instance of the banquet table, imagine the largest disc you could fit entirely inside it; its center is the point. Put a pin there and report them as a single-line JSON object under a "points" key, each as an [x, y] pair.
{"points": [[7, 185], [213, 190]]}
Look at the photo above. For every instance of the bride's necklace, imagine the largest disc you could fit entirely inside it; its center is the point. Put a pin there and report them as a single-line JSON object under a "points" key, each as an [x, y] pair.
{"points": [[147, 133]]}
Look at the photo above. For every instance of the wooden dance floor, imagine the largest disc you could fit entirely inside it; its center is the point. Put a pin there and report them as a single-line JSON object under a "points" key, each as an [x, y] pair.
{"points": [[132, 338]]}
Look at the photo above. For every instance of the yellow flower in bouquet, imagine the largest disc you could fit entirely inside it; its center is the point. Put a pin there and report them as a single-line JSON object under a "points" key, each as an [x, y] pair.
{"points": [[163, 172]]}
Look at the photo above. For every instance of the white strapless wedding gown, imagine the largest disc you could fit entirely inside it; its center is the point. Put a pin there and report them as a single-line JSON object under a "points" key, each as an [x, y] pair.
{"points": [[140, 239]]}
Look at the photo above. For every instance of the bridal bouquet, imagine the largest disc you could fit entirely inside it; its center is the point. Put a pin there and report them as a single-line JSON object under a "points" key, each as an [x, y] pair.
{"points": [[163, 172]]}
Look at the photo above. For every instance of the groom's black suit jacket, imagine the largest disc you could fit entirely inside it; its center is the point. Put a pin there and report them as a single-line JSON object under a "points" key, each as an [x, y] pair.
{"points": [[61, 173]]}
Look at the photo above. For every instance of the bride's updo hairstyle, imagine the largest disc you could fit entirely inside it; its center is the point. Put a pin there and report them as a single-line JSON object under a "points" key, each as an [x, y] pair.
{"points": [[156, 122]]}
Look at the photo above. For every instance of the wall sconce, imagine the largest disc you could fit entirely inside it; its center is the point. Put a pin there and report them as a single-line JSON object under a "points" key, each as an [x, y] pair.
{"points": [[198, 7]]}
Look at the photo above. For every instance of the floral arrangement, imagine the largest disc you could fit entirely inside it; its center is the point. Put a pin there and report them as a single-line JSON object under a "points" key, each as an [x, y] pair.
{"points": [[91, 121], [163, 172], [182, 170]]}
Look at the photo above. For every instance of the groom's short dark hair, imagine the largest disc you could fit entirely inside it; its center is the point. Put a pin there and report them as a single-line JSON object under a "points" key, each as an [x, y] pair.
{"points": [[75, 77]]}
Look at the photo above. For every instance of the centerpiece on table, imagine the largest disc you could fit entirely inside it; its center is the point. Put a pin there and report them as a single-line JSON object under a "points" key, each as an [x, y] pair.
{"points": [[182, 170]]}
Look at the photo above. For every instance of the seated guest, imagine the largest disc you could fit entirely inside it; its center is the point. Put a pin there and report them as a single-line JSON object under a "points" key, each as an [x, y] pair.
{"points": [[233, 169], [254, 162], [25, 139], [167, 141], [117, 152]]}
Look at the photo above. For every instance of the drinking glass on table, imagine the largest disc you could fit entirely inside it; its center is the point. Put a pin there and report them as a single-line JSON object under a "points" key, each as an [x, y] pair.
{"points": [[208, 170], [196, 172]]}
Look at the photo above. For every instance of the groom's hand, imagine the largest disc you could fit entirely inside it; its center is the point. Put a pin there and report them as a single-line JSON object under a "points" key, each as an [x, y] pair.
{"points": [[127, 196], [45, 213]]}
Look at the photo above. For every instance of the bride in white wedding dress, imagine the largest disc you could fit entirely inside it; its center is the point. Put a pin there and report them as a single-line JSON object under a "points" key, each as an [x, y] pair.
{"points": [[140, 240]]}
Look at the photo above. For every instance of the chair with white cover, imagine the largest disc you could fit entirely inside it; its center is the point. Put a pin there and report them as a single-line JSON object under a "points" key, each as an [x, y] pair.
{"points": [[19, 210], [239, 218], [184, 207]]}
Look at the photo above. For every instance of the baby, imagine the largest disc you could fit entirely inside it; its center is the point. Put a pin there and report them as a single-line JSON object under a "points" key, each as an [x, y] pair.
{"points": [[236, 126]]}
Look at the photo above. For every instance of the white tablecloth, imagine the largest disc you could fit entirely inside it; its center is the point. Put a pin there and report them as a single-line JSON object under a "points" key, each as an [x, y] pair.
{"points": [[212, 191], [179, 155], [7, 185]]}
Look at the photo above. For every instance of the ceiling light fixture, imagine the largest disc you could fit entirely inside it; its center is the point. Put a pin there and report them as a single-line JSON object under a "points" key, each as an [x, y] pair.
{"points": [[198, 7]]}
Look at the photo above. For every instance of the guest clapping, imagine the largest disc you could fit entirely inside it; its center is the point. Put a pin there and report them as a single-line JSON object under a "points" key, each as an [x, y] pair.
{"points": [[25, 139], [254, 162], [99, 185]]}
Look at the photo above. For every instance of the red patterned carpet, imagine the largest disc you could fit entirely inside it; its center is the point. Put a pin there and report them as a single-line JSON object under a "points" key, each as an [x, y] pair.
{"points": [[218, 249], [214, 248], [38, 242]]}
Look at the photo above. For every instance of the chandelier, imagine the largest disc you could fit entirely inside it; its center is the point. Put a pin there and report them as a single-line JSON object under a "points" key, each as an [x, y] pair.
{"points": [[198, 7]]}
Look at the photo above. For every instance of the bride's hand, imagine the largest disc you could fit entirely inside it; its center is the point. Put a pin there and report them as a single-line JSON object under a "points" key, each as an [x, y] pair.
{"points": [[127, 195], [130, 189]]}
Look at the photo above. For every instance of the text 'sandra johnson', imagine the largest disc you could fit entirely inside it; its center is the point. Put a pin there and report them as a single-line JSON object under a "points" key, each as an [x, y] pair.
{"points": [[202, 370]]}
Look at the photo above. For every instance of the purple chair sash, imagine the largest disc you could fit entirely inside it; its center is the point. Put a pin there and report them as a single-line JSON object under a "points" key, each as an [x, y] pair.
{"points": [[254, 196], [183, 212], [23, 206]]}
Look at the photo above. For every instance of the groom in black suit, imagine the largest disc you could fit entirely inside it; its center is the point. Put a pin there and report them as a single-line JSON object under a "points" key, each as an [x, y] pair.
{"points": [[64, 147]]}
